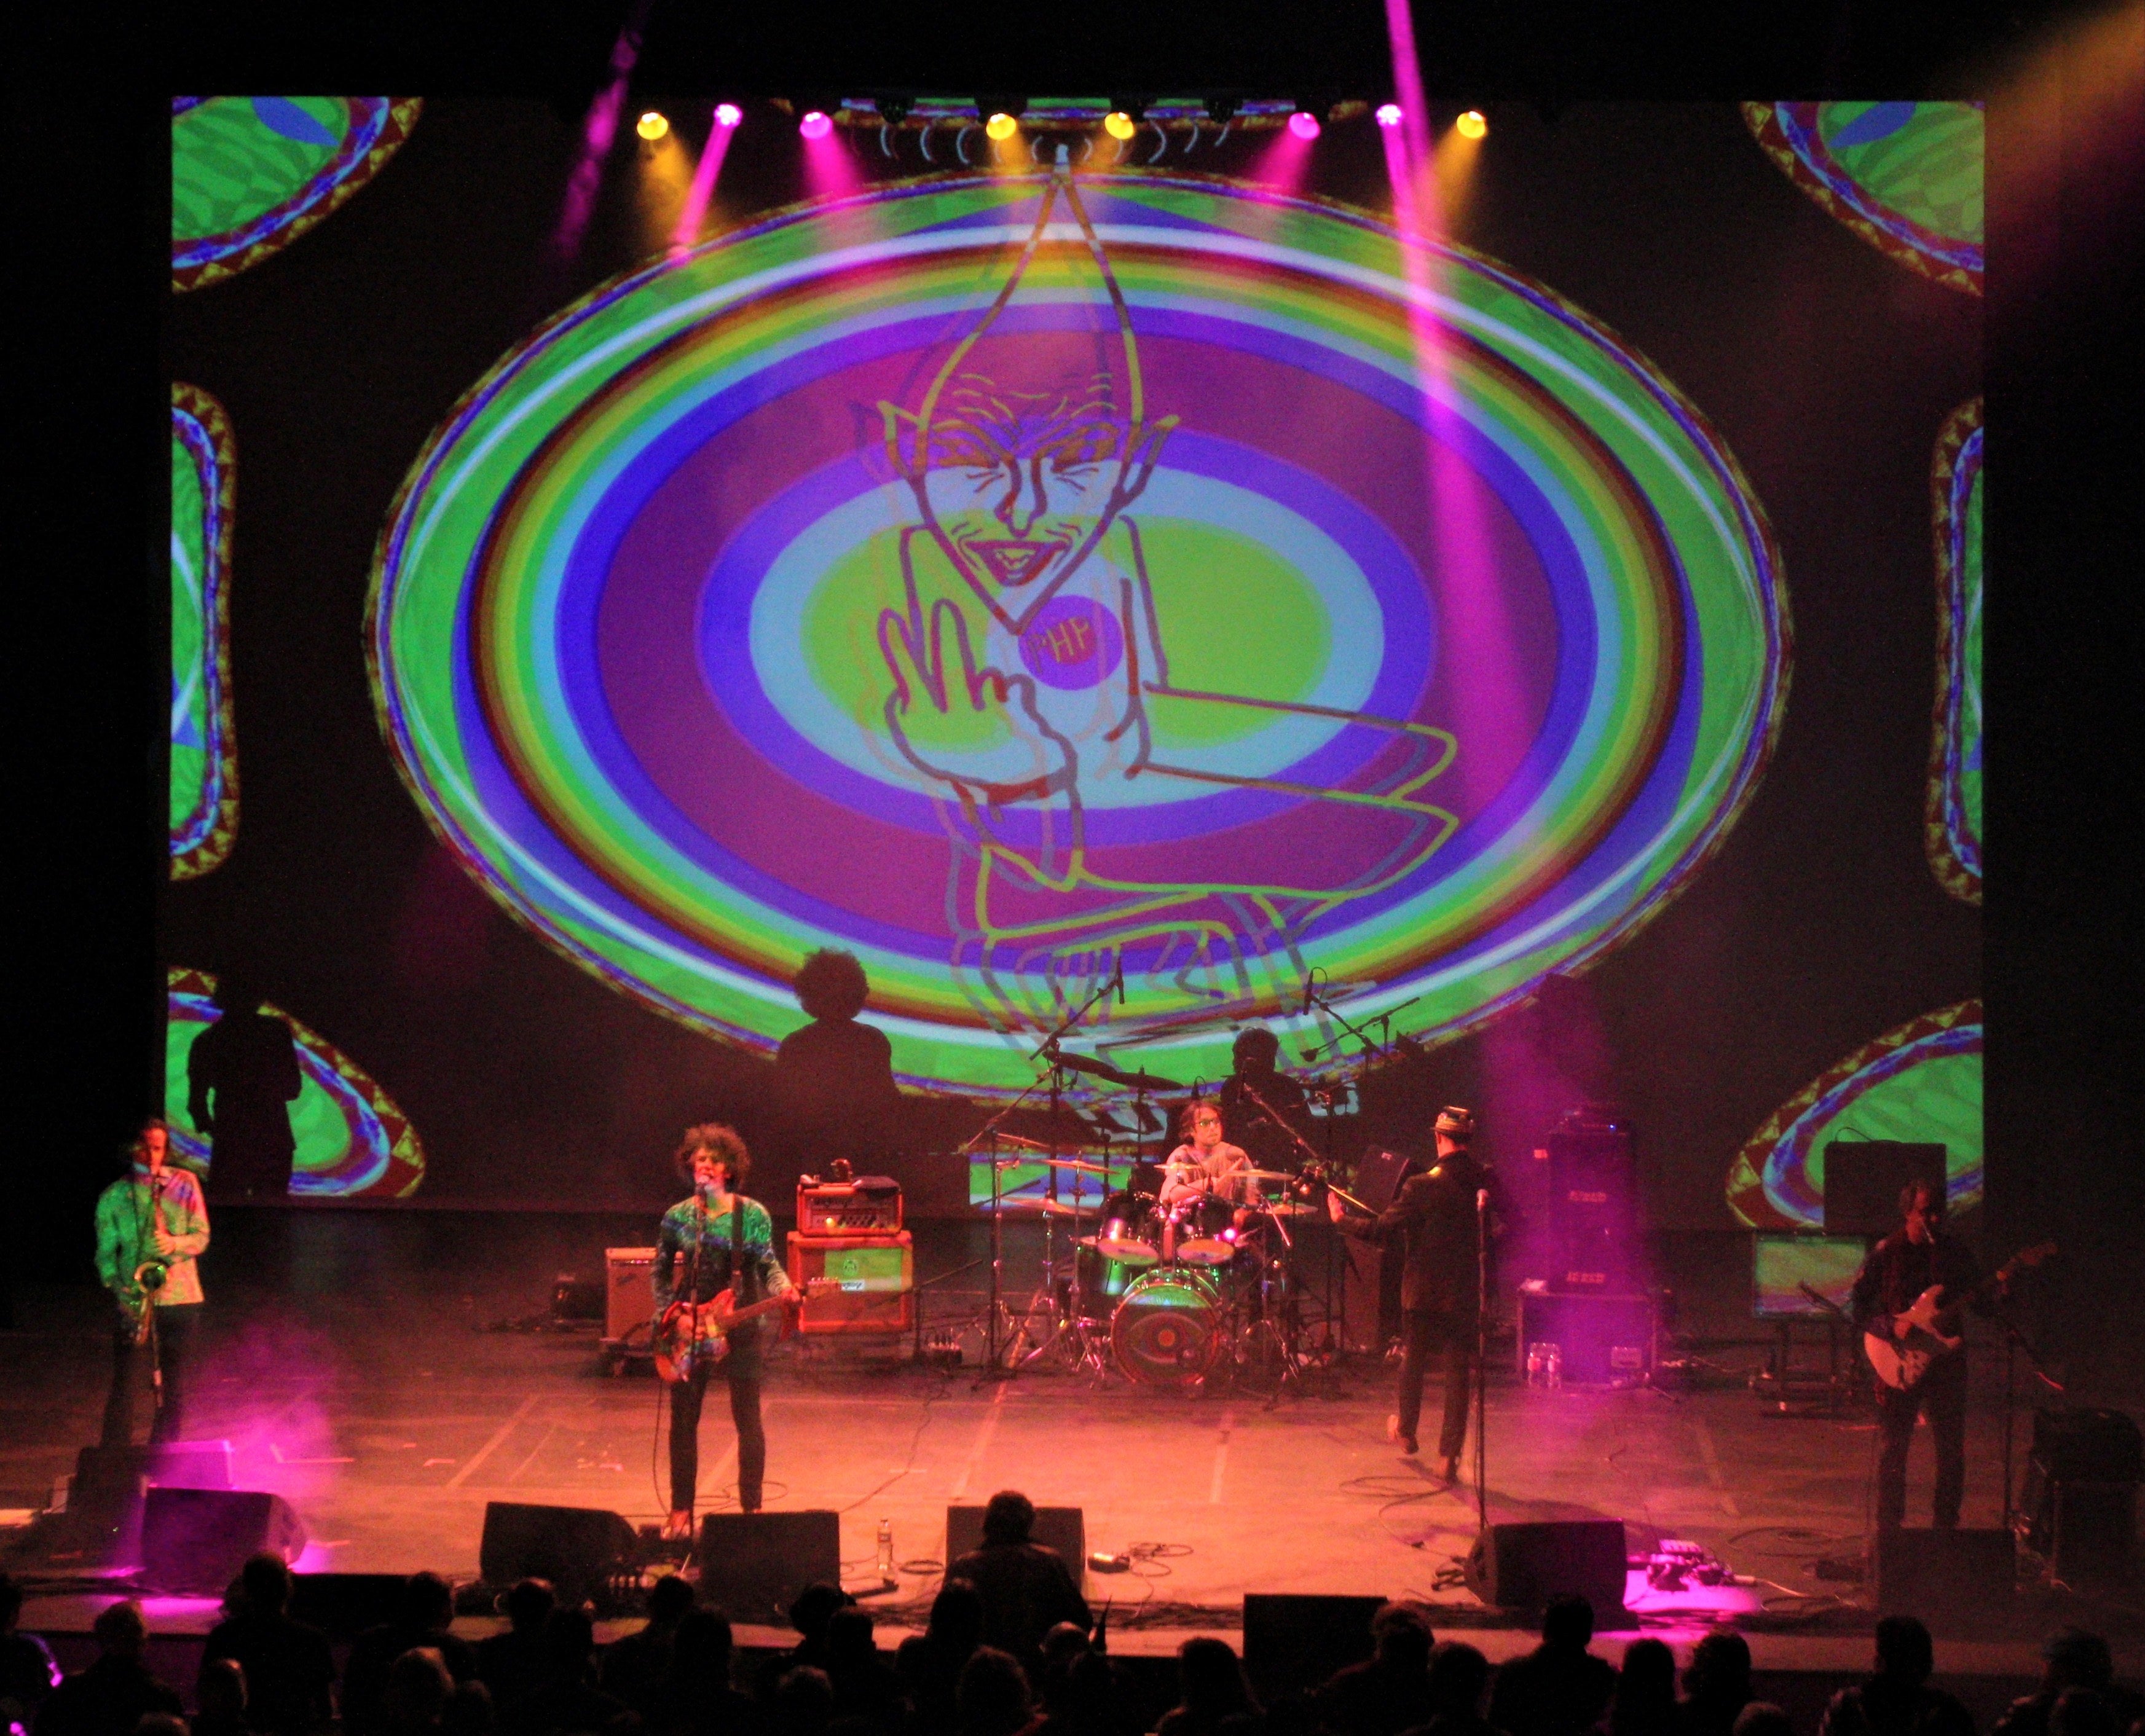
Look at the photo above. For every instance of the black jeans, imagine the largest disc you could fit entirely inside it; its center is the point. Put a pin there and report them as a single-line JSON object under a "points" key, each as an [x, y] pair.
{"points": [[1941, 1394], [1454, 1334], [686, 1397], [174, 1351]]}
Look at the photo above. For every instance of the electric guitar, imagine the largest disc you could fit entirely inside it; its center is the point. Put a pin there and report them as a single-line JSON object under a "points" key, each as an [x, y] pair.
{"points": [[687, 1334], [1901, 1360]]}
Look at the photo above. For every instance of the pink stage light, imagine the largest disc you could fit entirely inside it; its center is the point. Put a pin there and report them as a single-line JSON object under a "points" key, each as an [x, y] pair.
{"points": [[727, 114], [1304, 124], [1389, 114], [815, 124]]}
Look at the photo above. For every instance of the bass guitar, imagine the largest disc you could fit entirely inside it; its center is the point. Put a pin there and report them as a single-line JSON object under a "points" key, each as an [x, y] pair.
{"points": [[1900, 1360], [687, 1334]]}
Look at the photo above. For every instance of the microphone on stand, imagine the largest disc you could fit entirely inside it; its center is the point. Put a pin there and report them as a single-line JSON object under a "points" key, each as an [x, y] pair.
{"points": [[1310, 981], [1118, 981]]}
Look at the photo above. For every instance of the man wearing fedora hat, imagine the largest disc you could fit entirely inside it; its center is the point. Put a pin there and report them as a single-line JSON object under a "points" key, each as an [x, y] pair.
{"points": [[1434, 1217]]}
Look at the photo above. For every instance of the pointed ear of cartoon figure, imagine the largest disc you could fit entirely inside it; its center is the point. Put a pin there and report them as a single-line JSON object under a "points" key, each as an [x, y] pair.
{"points": [[904, 440], [1142, 455]]}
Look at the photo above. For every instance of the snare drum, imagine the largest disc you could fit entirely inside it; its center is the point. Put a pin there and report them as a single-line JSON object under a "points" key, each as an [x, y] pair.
{"points": [[1102, 1279], [1205, 1236], [1166, 1332]]}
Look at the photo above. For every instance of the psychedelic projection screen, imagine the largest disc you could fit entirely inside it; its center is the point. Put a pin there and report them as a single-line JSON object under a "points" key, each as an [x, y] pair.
{"points": [[1072, 584], [1022, 581]]}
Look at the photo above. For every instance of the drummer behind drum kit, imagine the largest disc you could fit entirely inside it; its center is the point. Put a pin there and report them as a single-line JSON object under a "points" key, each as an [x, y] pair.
{"points": [[1170, 1296]]}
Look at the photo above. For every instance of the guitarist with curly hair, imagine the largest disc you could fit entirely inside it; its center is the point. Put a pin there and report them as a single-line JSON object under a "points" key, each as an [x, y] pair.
{"points": [[714, 1265], [1908, 1300]]}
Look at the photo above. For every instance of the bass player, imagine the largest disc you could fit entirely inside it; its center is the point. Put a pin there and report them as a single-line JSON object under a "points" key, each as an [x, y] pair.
{"points": [[716, 1241], [1898, 1272]]}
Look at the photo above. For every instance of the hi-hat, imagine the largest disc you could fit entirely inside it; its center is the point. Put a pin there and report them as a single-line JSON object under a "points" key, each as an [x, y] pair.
{"points": [[1036, 1208]]}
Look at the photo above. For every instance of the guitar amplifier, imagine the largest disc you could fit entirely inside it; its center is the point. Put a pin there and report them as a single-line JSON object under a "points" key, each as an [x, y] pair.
{"points": [[877, 1277], [869, 1204], [629, 1293]]}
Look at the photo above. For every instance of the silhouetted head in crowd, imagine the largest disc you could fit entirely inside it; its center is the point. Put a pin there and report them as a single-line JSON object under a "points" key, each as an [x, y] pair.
{"points": [[703, 1646], [160, 1723], [1645, 1688], [1568, 1623], [570, 1641], [804, 1701], [2074, 1658], [527, 1604], [426, 1603], [1211, 1680], [1903, 1651], [1720, 1672], [813, 1607], [669, 1599], [992, 1698], [1009, 1518], [266, 1581], [468, 1711], [957, 1615], [1458, 1675], [849, 1637], [121, 1630], [236, 992], [1061, 1645], [1762, 1718], [221, 1689], [1401, 1635], [831, 985], [417, 1689], [2083, 1712]]}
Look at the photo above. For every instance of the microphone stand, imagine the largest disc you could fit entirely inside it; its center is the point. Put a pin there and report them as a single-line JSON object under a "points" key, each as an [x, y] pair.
{"points": [[1482, 1361]]}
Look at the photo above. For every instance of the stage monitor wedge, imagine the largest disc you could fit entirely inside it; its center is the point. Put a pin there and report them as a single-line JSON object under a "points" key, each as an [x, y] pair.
{"points": [[752, 1565], [195, 1540], [1522, 1567], [579, 1550]]}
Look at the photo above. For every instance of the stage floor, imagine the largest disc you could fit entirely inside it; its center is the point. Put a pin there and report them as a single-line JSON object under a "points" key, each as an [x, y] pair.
{"points": [[348, 1366]]}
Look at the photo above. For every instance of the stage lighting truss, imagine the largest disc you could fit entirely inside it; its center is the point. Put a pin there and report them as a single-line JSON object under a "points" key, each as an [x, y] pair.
{"points": [[1183, 117]]}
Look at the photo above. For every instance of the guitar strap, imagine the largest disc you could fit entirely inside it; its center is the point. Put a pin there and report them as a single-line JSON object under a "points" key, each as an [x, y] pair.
{"points": [[746, 1290]]}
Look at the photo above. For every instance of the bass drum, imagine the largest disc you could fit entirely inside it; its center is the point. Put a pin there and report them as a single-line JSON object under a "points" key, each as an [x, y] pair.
{"points": [[1167, 1329]]}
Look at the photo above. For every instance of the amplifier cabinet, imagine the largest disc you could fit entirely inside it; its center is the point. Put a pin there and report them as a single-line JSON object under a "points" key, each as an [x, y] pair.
{"points": [[877, 1274], [1603, 1340], [847, 1208], [629, 1295]]}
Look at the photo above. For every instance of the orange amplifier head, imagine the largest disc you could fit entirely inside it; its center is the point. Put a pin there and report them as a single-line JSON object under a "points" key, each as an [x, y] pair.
{"points": [[869, 1204]]}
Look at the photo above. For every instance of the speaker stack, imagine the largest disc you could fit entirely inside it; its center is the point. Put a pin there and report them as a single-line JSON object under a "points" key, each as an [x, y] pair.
{"points": [[1592, 1306], [2080, 1494]]}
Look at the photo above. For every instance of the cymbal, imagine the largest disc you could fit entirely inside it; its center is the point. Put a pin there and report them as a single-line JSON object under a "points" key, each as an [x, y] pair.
{"points": [[1098, 1069], [1288, 1208], [1079, 1166], [1025, 1145], [1036, 1208], [1268, 1175]]}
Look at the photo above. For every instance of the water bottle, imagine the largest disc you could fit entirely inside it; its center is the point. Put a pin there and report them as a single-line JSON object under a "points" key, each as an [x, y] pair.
{"points": [[1537, 1363], [886, 1550], [1553, 1368]]}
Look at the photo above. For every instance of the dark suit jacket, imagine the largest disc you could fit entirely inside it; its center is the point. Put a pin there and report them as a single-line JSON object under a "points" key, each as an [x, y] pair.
{"points": [[1432, 1218]]}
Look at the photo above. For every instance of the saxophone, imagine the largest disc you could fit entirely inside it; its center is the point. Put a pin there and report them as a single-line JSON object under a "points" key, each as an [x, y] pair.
{"points": [[149, 1276]]}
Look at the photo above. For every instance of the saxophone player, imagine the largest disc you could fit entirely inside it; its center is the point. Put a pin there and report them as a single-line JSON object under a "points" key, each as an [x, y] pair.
{"points": [[151, 1227]]}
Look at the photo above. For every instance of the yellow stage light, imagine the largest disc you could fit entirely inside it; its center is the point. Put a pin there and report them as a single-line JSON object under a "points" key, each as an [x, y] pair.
{"points": [[652, 126], [1001, 126], [1118, 124], [1471, 125]]}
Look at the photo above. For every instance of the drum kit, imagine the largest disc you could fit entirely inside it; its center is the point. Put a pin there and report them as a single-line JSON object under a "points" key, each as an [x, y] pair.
{"points": [[1170, 1296]]}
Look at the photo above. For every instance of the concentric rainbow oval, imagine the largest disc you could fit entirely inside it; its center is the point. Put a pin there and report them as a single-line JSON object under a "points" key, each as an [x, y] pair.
{"points": [[1441, 642]]}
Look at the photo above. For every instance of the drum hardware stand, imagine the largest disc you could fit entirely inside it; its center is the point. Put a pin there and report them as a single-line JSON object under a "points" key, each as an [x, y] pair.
{"points": [[1370, 1051], [1482, 1362], [1046, 1052], [994, 1340], [2015, 1340]]}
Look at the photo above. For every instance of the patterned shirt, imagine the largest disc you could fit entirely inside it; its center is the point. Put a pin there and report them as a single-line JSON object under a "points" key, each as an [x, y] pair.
{"points": [[126, 1217], [761, 1274]]}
